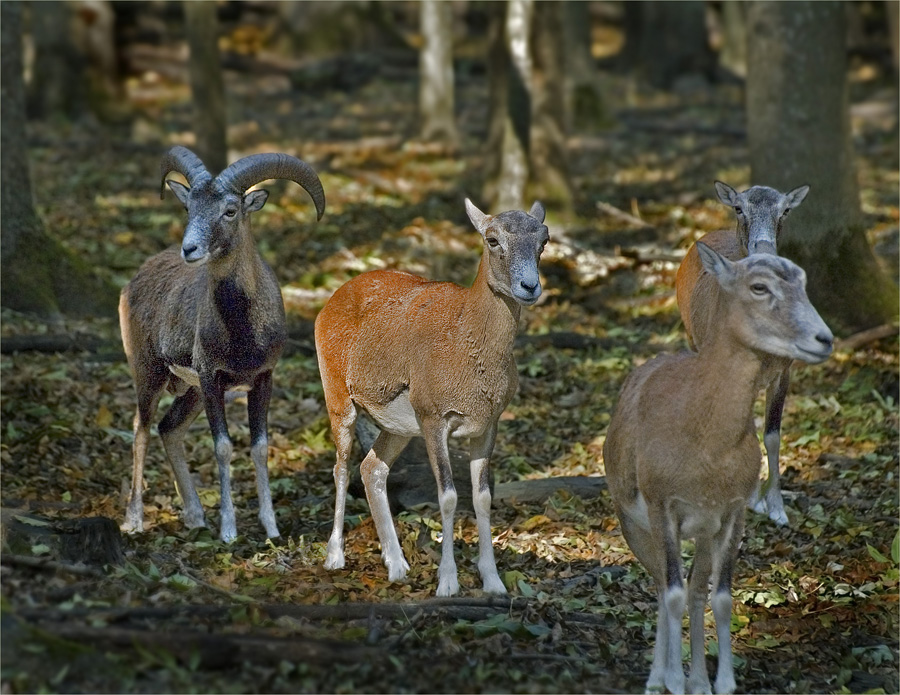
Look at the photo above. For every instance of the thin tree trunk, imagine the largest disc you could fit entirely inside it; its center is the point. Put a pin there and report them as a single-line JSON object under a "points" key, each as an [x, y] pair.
{"points": [[548, 158], [207, 86], [436, 72], [584, 103], [517, 125], [798, 128], [733, 56], [893, 22]]}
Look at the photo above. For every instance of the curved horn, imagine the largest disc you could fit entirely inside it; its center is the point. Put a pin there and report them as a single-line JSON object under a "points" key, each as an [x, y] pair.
{"points": [[185, 162], [249, 171]]}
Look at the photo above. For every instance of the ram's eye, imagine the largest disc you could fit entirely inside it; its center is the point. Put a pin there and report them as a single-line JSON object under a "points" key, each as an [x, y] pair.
{"points": [[738, 210], [230, 212], [492, 242], [759, 288]]}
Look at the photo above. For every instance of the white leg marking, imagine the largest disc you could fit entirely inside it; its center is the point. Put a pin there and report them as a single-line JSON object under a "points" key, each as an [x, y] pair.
{"points": [[228, 528], [721, 605], [481, 500], [259, 453], [656, 683], [448, 583], [375, 474], [674, 597]]}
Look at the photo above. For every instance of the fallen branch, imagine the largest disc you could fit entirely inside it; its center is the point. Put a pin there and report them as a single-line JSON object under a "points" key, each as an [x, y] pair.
{"points": [[857, 340], [49, 565], [58, 342], [220, 650], [628, 218]]}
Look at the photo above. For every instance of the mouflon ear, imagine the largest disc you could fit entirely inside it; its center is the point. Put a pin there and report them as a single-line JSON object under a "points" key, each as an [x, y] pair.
{"points": [[726, 193], [477, 217], [537, 211]]}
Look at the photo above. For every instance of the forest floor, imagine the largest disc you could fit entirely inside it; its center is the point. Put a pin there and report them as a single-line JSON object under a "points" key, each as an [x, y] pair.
{"points": [[815, 603]]}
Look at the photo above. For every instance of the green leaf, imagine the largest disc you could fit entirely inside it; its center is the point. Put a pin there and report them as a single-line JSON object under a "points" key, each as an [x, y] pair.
{"points": [[895, 548], [876, 555]]}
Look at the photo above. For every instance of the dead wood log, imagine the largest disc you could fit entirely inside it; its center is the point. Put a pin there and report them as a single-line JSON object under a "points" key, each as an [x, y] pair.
{"points": [[220, 650], [58, 342], [858, 340], [91, 541]]}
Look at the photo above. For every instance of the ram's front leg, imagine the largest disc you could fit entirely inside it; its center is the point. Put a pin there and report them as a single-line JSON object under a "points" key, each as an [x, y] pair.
{"points": [[480, 466], [258, 413], [214, 401]]}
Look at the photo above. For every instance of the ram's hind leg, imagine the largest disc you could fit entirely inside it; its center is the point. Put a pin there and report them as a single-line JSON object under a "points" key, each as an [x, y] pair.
{"points": [[149, 386], [480, 465], [698, 591], [374, 470], [172, 429]]}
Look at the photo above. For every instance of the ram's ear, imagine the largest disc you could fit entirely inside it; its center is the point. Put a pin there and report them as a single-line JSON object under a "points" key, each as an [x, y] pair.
{"points": [[182, 192], [254, 200]]}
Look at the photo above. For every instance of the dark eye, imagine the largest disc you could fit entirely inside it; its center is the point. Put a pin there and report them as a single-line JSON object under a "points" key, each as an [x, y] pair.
{"points": [[492, 242], [738, 210], [786, 211], [230, 213], [759, 288]]}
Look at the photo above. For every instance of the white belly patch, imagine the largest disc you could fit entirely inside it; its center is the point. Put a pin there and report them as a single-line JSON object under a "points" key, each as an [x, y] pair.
{"points": [[397, 417]]}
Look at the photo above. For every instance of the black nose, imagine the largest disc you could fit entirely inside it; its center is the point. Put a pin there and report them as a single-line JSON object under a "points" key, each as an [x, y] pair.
{"points": [[188, 250], [526, 286], [826, 339]]}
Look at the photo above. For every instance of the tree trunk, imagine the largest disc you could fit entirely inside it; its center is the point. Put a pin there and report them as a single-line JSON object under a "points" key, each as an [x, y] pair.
{"points": [[584, 103], [506, 190], [733, 56], [58, 83], [549, 172], [798, 129], [436, 72], [893, 20], [39, 275], [672, 41], [207, 86]]}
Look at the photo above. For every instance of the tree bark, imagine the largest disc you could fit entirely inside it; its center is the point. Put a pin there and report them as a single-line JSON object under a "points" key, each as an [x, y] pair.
{"points": [[207, 85], [39, 275], [58, 83], [549, 172], [798, 129], [584, 103], [733, 56], [505, 190], [893, 22], [671, 41], [436, 99]]}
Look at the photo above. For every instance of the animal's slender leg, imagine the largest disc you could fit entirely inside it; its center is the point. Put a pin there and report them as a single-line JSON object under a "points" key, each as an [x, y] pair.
{"points": [[214, 401], [725, 551], [342, 421], [374, 470], [480, 456], [258, 415], [147, 401], [172, 429], [673, 596], [698, 591], [769, 496], [436, 442]]}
